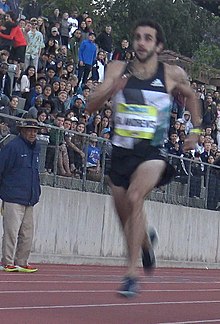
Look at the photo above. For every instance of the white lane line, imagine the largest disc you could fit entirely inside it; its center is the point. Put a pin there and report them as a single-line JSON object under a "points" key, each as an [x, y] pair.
{"points": [[194, 302], [193, 322], [110, 282], [102, 291]]}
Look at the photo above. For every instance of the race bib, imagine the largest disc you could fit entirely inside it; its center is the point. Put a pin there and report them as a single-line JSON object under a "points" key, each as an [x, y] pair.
{"points": [[137, 121]]}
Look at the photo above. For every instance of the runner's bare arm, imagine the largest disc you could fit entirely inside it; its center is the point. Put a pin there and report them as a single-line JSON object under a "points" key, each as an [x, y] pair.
{"points": [[112, 83], [181, 84]]}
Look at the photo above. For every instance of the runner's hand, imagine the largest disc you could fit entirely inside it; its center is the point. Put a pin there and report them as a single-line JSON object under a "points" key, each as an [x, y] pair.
{"points": [[190, 142]]}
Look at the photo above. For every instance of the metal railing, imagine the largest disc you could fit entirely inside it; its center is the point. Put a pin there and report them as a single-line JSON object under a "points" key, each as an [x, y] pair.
{"points": [[200, 190]]}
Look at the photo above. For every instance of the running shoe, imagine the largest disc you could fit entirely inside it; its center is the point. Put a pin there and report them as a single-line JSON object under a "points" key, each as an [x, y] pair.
{"points": [[27, 269], [148, 255], [10, 268], [129, 287]]}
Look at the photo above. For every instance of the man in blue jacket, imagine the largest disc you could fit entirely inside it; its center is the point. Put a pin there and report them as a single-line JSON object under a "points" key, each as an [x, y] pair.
{"points": [[19, 191], [87, 57]]}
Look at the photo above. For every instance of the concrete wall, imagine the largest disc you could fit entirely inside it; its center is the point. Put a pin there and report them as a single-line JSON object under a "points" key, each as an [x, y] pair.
{"points": [[81, 227]]}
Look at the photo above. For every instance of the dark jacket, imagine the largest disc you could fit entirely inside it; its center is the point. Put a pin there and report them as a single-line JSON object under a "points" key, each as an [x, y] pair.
{"points": [[19, 175], [32, 10], [104, 40]]}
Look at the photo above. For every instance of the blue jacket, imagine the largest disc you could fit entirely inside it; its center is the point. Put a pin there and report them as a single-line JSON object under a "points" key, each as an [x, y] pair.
{"points": [[87, 52], [19, 175]]}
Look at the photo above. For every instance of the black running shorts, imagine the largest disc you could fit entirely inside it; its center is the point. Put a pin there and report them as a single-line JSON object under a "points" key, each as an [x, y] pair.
{"points": [[125, 161]]}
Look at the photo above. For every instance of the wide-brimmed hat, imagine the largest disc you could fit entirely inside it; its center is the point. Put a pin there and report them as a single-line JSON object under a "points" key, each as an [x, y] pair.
{"points": [[29, 123]]}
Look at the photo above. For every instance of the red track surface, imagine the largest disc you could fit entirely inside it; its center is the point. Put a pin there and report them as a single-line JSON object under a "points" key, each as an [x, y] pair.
{"points": [[67, 294]]}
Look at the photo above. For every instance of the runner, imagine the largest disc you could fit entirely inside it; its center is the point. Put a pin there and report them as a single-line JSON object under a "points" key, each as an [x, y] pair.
{"points": [[142, 92]]}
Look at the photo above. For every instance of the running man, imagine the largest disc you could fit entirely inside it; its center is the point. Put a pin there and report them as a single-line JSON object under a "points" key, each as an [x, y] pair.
{"points": [[142, 96]]}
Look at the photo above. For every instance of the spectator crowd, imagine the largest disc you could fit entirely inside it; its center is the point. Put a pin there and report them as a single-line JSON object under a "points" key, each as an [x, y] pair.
{"points": [[57, 62]]}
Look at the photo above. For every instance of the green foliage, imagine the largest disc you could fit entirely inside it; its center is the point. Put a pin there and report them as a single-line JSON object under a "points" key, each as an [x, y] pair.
{"points": [[189, 29]]}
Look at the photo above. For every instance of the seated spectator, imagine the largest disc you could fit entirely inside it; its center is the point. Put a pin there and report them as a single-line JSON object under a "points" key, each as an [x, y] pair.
{"points": [[98, 69], [4, 131], [120, 52], [172, 145], [60, 102], [197, 172], [11, 110], [55, 88], [33, 111], [95, 125], [55, 138], [63, 164], [75, 145], [5, 80], [213, 180], [207, 152], [77, 107], [200, 145], [186, 119], [106, 149], [35, 92], [93, 170], [47, 93], [27, 81]]}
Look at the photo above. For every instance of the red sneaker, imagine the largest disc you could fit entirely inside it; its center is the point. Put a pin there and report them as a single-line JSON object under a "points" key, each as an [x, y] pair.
{"points": [[10, 268], [27, 268]]}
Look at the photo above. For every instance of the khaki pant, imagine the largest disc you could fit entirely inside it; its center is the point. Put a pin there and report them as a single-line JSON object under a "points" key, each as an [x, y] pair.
{"points": [[18, 231]]}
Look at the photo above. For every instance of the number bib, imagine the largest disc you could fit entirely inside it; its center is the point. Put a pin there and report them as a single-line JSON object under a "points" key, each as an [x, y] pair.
{"points": [[137, 121]]}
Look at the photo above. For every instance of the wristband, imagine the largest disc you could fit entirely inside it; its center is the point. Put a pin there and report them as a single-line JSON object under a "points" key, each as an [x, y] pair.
{"points": [[196, 131]]}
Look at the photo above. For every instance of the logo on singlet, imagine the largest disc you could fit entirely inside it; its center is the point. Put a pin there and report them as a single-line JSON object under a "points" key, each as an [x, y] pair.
{"points": [[157, 83]]}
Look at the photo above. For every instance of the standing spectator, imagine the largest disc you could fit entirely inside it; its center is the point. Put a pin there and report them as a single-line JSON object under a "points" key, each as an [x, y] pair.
{"points": [[35, 43], [41, 27], [87, 56], [209, 112], [4, 6], [84, 31], [55, 18], [16, 37], [32, 9], [19, 191], [73, 22], [19, 42], [217, 121], [120, 53], [64, 29], [74, 45], [105, 41], [14, 6], [88, 22], [83, 17]]}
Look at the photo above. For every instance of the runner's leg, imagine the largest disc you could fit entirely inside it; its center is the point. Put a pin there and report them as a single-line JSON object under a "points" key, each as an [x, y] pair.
{"points": [[143, 180]]}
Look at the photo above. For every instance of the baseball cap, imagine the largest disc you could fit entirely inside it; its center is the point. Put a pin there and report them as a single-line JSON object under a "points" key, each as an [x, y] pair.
{"points": [[74, 119], [106, 130], [54, 29]]}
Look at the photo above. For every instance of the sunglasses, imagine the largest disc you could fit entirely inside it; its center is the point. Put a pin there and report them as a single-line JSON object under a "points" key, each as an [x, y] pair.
{"points": [[33, 24]]}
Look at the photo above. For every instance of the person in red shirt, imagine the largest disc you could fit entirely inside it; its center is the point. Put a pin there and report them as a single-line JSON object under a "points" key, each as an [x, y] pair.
{"points": [[16, 35]]}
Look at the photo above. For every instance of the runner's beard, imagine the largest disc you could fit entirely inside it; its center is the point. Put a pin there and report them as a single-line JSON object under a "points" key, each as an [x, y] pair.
{"points": [[145, 59]]}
